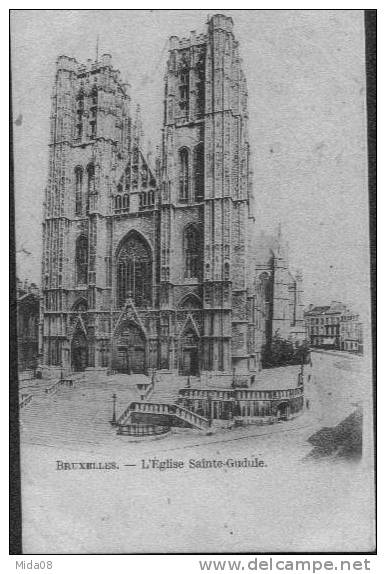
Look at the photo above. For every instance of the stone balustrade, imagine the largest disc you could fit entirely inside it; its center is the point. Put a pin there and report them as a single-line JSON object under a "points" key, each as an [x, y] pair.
{"points": [[60, 383], [164, 409], [142, 429], [240, 394]]}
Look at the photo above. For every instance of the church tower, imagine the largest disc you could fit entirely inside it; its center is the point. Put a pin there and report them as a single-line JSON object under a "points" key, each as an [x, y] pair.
{"points": [[90, 131], [205, 200]]}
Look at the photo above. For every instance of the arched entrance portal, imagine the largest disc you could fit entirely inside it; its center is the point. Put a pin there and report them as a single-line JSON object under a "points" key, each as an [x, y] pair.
{"points": [[189, 355], [79, 351], [130, 350]]}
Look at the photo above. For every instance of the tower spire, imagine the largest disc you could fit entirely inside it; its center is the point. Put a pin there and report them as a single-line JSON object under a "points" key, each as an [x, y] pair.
{"points": [[97, 49]]}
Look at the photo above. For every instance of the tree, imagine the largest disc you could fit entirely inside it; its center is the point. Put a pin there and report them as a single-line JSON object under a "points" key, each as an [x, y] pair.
{"points": [[283, 352]]}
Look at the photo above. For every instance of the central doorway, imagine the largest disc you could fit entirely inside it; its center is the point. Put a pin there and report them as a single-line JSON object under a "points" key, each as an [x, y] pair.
{"points": [[79, 351], [189, 357], [130, 356]]}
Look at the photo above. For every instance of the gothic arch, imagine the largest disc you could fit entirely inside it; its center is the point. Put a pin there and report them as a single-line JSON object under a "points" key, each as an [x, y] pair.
{"points": [[79, 348], [78, 171], [134, 272], [189, 349], [130, 353], [80, 305], [190, 301], [183, 173], [90, 178], [199, 171]]}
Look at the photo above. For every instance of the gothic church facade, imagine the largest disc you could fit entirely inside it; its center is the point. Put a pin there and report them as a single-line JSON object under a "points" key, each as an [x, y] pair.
{"points": [[159, 265]]}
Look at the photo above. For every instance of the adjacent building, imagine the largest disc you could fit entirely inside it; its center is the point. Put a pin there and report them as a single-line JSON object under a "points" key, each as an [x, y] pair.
{"points": [[351, 333], [334, 326], [157, 262], [28, 302], [323, 324]]}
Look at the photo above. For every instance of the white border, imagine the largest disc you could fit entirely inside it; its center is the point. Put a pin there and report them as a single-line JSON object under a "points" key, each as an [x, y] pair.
{"points": [[173, 563]]}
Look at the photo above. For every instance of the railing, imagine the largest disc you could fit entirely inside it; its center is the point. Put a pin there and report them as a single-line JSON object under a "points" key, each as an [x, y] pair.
{"points": [[140, 429], [60, 383], [154, 408], [164, 409], [248, 394], [126, 413], [240, 394], [191, 417], [25, 400], [244, 400], [67, 382], [215, 394]]}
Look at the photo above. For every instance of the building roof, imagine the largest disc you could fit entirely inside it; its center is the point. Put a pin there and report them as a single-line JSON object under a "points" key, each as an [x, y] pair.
{"points": [[332, 309]]}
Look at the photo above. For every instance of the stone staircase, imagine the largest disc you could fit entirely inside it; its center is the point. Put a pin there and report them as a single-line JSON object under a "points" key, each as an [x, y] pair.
{"points": [[172, 414], [160, 406], [165, 389]]}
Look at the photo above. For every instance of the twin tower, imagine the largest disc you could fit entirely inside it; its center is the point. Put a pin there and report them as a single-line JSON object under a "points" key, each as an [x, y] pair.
{"points": [[158, 264]]}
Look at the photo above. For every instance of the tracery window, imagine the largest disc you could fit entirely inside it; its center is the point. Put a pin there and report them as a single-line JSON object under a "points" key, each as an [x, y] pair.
{"points": [[134, 178], [184, 174], [134, 271], [117, 202], [93, 112], [79, 115], [78, 190], [90, 178], [199, 172], [193, 256], [226, 271], [81, 259], [125, 201], [266, 301], [294, 309], [200, 86], [184, 90]]}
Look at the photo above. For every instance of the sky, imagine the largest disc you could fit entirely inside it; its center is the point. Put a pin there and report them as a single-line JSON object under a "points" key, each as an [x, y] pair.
{"points": [[305, 72]]}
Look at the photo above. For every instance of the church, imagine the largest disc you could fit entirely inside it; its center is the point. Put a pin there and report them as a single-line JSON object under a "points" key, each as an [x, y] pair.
{"points": [[154, 262]]}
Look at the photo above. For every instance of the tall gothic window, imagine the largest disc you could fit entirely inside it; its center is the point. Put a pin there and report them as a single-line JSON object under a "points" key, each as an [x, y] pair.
{"points": [[294, 309], [200, 86], [199, 173], [78, 190], [79, 115], [184, 173], [266, 302], [90, 178], [81, 259], [90, 183], [193, 256], [134, 271], [184, 90], [117, 202], [93, 112]]}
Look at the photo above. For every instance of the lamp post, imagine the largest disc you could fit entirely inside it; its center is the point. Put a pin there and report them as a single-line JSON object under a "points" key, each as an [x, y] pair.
{"points": [[210, 418], [114, 418]]}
